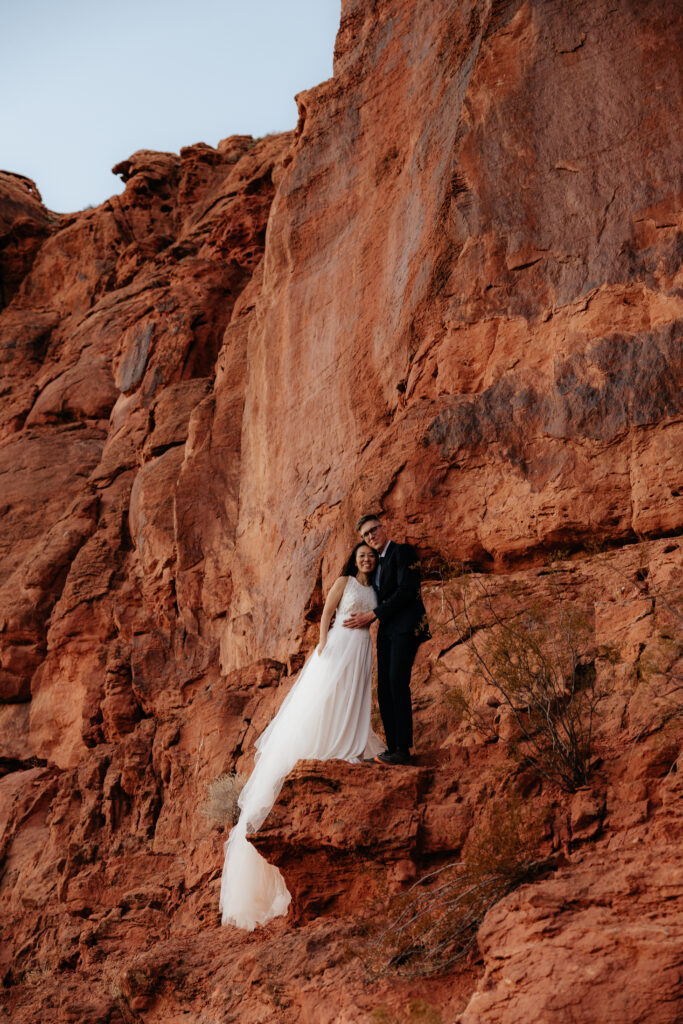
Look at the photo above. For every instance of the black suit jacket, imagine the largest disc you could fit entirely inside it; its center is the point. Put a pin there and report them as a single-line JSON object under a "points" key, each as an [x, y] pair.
{"points": [[400, 608]]}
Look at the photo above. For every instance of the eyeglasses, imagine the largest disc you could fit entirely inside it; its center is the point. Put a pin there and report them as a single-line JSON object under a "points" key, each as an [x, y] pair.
{"points": [[369, 533]]}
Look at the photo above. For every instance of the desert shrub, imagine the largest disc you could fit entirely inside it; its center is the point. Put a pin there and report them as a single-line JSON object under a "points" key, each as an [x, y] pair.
{"points": [[221, 798], [540, 658], [435, 923], [458, 705], [38, 975]]}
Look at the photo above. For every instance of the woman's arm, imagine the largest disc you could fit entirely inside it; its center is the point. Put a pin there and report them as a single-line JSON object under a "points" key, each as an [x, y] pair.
{"points": [[333, 599]]}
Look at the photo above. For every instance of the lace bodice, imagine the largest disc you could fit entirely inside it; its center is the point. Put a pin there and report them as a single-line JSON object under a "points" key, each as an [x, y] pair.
{"points": [[356, 598]]}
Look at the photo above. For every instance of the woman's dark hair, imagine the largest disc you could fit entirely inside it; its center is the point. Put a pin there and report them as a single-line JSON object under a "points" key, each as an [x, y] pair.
{"points": [[350, 567]]}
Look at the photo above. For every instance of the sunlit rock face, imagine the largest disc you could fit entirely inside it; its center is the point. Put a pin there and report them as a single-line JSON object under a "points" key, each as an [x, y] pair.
{"points": [[470, 300], [452, 294]]}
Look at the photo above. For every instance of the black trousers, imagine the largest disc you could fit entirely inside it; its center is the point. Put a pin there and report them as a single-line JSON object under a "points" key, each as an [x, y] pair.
{"points": [[395, 657]]}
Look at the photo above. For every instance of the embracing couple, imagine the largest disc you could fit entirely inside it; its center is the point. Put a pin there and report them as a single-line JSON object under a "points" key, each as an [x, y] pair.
{"points": [[326, 714]]}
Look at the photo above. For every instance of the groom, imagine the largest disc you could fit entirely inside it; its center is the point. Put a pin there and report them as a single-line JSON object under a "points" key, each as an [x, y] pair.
{"points": [[402, 628]]}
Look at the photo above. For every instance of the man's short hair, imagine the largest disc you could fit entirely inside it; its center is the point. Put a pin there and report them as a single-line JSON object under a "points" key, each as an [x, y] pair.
{"points": [[367, 519]]}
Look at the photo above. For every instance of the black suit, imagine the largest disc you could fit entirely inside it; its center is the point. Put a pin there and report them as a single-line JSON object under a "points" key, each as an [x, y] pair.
{"points": [[402, 628]]}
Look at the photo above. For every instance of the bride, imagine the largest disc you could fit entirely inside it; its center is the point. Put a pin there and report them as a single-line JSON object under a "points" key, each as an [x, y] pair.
{"points": [[325, 715]]}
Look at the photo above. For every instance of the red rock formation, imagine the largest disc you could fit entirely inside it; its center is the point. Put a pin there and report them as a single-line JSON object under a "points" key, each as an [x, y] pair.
{"points": [[452, 294], [24, 225], [600, 918], [499, 256]]}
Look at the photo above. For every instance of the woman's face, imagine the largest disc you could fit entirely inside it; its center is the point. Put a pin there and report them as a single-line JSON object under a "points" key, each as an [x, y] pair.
{"points": [[365, 558]]}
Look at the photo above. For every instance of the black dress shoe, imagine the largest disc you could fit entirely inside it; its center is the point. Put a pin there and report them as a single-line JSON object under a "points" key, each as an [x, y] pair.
{"points": [[393, 757]]}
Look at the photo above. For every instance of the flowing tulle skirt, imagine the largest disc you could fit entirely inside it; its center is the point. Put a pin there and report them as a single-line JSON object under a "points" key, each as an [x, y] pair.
{"points": [[326, 715]]}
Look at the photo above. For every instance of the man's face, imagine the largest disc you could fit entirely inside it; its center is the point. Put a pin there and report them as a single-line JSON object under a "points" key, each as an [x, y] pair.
{"points": [[374, 534]]}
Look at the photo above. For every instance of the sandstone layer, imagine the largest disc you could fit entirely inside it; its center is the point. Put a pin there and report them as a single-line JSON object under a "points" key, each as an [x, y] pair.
{"points": [[453, 294]]}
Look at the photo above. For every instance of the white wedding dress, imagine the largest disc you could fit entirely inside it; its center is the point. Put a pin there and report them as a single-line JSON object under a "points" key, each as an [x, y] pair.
{"points": [[325, 715]]}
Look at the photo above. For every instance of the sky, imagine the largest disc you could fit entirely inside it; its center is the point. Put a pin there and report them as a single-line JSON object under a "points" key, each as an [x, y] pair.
{"points": [[85, 83]]}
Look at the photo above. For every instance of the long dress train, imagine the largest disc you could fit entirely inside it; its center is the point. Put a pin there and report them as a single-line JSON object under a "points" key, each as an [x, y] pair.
{"points": [[325, 715]]}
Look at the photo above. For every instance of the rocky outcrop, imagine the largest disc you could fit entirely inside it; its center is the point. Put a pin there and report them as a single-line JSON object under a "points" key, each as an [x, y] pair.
{"points": [[134, 300], [495, 333], [606, 920], [452, 293], [24, 226]]}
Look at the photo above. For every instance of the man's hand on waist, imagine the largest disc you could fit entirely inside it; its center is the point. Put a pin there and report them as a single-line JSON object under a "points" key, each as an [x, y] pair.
{"points": [[360, 620]]}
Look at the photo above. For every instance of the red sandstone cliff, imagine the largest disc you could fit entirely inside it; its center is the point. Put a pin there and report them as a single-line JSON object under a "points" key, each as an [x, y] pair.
{"points": [[453, 293]]}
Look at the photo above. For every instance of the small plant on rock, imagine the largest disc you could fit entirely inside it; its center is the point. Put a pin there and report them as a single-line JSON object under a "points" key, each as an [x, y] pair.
{"points": [[222, 796]]}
